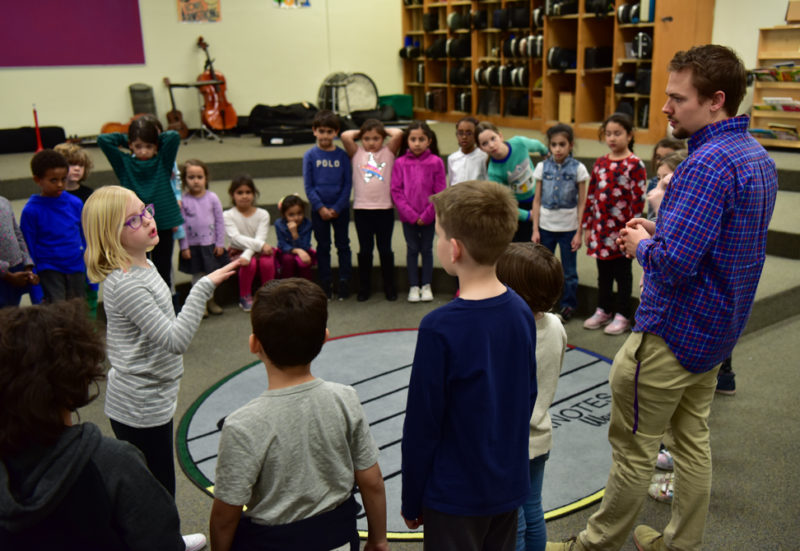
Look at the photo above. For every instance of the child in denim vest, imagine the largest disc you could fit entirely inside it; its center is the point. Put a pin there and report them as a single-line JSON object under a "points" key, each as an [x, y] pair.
{"points": [[558, 208]]}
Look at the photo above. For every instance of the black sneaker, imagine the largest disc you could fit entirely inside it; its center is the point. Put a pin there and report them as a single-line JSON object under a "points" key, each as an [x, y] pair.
{"points": [[344, 290], [726, 382], [566, 314]]}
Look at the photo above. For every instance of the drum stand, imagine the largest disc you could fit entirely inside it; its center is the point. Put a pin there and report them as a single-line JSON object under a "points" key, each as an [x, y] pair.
{"points": [[204, 133]]}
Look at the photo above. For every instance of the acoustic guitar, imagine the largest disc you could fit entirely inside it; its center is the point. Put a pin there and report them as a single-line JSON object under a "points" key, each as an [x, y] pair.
{"points": [[175, 117], [218, 113]]}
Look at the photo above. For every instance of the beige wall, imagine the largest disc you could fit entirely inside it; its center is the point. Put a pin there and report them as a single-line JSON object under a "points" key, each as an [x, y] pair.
{"points": [[268, 56]]}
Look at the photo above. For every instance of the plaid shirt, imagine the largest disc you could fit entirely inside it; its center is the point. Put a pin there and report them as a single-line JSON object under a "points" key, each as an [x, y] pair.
{"points": [[704, 261]]}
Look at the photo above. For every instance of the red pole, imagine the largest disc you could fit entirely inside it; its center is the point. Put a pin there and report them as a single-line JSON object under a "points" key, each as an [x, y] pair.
{"points": [[39, 145]]}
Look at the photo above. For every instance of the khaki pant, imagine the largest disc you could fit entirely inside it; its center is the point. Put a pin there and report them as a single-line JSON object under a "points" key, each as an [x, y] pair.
{"points": [[652, 393]]}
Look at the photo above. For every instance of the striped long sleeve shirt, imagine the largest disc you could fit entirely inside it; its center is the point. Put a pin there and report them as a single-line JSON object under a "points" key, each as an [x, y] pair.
{"points": [[146, 342], [704, 261]]}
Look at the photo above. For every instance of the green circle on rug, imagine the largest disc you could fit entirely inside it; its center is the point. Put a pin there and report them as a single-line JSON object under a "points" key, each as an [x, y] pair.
{"points": [[378, 366]]}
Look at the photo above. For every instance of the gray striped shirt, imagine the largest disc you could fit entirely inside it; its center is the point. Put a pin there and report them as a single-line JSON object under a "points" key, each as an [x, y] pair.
{"points": [[145, 344]]}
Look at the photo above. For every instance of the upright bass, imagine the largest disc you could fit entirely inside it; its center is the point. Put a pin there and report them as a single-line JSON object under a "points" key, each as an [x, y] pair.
{"points": [[218, 113]]}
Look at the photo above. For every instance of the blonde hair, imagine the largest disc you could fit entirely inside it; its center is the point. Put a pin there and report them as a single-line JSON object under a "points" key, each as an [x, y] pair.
{"points": [[76, 155], [103, 219], [482, 215]]}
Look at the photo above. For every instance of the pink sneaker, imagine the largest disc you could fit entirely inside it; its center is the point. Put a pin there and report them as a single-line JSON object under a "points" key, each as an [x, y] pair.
{"points": [[598, 319], [618, 326]]}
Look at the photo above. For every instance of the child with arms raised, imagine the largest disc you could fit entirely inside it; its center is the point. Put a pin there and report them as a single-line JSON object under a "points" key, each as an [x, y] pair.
{"points": [[372, 200], [203, 248], [65, 486], [327, 178], [418, 173], [146, 341], [146, 169], [535, 274], [295, 499], [294, 238], [616, 195], [247, 227], [558, 206], [51, 224], [473, 385], [469, 162], [510, 164]]}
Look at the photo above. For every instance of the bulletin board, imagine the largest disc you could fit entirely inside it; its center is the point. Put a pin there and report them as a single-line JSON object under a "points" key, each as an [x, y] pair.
{"points": [[49, 33]]}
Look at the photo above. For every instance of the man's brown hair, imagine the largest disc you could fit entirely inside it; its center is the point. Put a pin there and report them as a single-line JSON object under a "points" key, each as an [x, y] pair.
{"points": [[482, 215], [714, 68], [289, 319]]}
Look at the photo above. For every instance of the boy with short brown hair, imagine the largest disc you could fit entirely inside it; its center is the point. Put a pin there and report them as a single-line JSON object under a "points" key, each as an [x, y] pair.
{"points": [[473, 384]]}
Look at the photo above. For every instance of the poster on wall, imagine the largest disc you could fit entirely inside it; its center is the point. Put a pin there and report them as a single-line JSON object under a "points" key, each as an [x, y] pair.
{"points": [[45, 33], [292, 3], [199, 11]]}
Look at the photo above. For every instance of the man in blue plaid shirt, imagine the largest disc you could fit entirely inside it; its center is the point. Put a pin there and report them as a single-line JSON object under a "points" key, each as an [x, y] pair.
{"points": [[702, 261]]}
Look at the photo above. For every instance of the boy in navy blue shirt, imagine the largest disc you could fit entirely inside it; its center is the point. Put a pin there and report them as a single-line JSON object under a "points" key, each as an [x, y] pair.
{"points": [[327, 177], [473, 384], [51, 224]]}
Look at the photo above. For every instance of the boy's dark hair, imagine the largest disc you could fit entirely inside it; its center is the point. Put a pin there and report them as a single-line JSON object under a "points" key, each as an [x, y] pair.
{"points": [[289, 319], [145, 128], [560, 128], [49, 357], [242, 180], [482, 215], [193, 162], [45, 160], [419, 125], [714, 68], [291, 200], [372, 124], [533, 272], [670, 143], [622, 119], [327, 119]]}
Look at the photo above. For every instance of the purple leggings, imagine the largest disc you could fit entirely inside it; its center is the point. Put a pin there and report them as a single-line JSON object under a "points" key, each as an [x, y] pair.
{"points": [[292, 266]]}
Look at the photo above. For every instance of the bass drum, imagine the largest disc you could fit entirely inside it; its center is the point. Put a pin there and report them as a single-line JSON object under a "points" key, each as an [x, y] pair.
{"points": [[344, 93]]}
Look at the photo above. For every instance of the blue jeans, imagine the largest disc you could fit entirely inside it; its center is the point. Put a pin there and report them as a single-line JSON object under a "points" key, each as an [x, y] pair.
{"points": [[419, 240], [322, 233], [531, 530], [569, 297]]}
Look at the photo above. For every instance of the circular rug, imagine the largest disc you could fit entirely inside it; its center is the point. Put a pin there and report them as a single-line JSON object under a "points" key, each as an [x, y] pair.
{"points": [[378, 366]]}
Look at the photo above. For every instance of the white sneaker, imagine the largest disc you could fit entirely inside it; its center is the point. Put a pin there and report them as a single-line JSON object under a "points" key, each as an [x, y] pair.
{"points": [[413, 294], [426, 295], [193, 542]]}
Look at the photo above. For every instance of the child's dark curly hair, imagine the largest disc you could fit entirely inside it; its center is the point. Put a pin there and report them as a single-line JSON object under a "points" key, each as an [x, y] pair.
{"points": [[50, 356]]}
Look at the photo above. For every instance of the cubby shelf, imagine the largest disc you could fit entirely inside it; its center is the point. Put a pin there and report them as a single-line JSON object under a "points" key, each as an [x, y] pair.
{"points": [[582, 95]]}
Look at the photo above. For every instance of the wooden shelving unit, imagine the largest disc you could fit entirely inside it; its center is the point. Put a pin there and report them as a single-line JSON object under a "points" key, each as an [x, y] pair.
{"points": [[677, 25], [777, 45]]}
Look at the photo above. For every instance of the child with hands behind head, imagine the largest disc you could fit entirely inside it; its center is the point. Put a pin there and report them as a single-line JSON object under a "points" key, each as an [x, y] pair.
{"points": [[247, 227], [473, 385], [65, 485], [372, 200], [418, 173], [558, 205], [203, 247], [535, 274], [306, 503], [296, 256], [145, 339], [145, 167], [616, 194]]}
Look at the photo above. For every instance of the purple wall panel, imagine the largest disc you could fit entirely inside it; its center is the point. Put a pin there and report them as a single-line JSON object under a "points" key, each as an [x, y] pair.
{"points": [[45, 33]]}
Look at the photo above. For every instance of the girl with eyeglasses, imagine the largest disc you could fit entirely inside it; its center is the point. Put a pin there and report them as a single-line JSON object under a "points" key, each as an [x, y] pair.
{"points": [[145, 339]]}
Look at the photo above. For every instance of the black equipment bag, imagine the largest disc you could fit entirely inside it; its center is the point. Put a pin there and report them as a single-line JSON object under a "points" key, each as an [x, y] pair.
{"points": [[596, 58], [286, 135], [293, 115]]}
